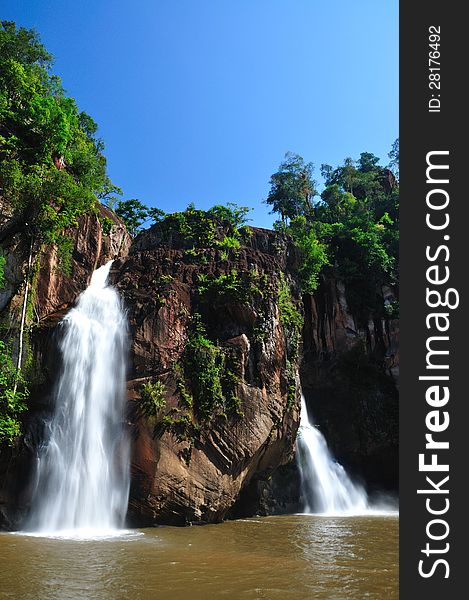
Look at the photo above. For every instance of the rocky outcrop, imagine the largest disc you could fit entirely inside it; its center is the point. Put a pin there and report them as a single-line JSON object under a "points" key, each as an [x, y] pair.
{"points": [[189, 465], [96, 239], [93, 246], [194, 455]]}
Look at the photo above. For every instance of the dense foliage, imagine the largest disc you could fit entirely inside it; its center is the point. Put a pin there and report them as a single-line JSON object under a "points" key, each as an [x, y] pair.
{"points": [[199, 226], [292, 188], [13, 392], [135, 214], [206, 367], [51, 164], [352, 229]]}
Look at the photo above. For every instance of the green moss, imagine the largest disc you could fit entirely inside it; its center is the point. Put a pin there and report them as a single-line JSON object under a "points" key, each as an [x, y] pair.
{"points": [[106, 224], [290, 317], [2, 270], [64, 246], [291, 384], [209, 374]]}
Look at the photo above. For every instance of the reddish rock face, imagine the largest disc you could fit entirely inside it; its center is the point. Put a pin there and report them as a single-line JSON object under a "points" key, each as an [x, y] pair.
{"points": [[350, 377], [197, 478], [331, 329], [56, 292]]}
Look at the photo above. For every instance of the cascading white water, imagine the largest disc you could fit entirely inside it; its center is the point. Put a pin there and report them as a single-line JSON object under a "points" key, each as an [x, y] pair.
{"points": [[326, 487], [83, 469]]}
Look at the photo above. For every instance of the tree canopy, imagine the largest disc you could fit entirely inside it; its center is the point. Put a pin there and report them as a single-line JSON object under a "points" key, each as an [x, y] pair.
{"points": [[52, 170], [352, 229], [292, 188], [52, 167]]}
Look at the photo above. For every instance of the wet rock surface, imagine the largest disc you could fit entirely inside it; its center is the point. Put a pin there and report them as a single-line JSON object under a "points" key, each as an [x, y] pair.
{"points": [[350, 377]]}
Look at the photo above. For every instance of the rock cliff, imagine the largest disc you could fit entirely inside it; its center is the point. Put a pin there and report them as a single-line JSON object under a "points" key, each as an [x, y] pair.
{"points": [[191, 460], [350, 377], [215, 361], [226, 416]]}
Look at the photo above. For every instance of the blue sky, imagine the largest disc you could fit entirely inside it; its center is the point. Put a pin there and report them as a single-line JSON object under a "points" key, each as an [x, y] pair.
{"points": [[198, 100]]}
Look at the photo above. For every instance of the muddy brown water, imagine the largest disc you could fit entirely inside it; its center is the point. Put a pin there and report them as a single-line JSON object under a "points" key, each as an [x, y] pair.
{"points": [[296, 557]]}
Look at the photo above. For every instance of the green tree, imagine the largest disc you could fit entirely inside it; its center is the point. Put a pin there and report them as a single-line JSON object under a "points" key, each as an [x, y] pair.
{"points": [[236, 215], [292, 188], [133, 213], [52, 170], [313, 252], [353, 231], [156, 214], [367, 162]]}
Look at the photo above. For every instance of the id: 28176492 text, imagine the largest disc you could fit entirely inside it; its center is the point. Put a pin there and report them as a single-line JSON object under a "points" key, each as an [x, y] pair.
{"points": [[434, 69]]}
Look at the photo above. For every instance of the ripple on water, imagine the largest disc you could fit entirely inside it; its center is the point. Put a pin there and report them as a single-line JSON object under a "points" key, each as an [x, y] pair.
{"points": [[294, 557]]}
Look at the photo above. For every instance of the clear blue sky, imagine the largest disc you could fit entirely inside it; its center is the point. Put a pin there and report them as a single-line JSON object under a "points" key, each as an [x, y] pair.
{"points": [[198, 100]]}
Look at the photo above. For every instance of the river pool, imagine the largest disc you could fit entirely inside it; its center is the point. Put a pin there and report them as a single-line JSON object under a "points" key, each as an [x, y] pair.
{"points": [[295, 556]]}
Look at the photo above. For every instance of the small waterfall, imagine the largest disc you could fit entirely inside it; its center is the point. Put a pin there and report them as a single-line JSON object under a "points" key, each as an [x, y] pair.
{"points": [[83, 469], [326, 487]]}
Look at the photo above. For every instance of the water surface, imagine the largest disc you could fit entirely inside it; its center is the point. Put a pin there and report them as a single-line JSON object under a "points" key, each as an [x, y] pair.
{"points": [[291, 557]]}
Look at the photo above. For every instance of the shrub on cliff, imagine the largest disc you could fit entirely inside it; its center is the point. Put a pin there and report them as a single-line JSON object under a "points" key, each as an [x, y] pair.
{"points": [[152, 398], [13, 393], [208, 373]]}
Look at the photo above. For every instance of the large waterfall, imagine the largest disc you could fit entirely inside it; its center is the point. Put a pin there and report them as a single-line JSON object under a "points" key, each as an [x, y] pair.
{"points": [[83, 468], [326, 486]]}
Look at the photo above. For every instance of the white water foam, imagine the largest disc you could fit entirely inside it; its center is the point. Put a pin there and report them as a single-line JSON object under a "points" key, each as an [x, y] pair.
{"points": [[84, 534], [82, 483]]}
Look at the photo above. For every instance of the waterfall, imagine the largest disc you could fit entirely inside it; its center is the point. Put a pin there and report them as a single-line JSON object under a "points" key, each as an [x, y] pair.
{"points": [[83, 467], [325, 485]]}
